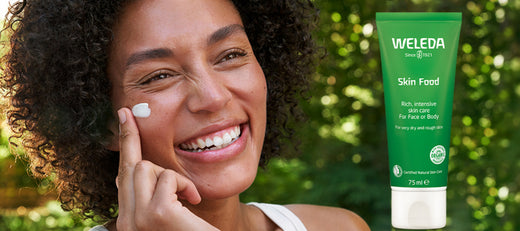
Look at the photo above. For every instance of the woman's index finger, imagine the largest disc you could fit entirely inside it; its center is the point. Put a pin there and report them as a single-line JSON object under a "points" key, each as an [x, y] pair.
{"points": [[129, 140], [129, 156]]}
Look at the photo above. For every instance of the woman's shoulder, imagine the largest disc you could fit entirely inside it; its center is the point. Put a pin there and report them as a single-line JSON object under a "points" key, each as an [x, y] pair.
{"points": [[316, 217]]}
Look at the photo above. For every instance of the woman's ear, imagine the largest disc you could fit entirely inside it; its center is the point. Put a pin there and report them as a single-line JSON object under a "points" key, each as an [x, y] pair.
{"points": [[113, 140]]}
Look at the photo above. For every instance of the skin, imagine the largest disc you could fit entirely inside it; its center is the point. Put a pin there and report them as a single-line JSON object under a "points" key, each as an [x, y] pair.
{"points": [[191, 61]]}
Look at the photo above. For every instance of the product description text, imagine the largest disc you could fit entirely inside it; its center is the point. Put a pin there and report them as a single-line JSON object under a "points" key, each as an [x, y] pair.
{"points": [[418, 110]]}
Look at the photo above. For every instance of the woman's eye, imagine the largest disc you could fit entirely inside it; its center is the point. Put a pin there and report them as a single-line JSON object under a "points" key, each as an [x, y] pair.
{"points": [[232, 55], [156, 77]]}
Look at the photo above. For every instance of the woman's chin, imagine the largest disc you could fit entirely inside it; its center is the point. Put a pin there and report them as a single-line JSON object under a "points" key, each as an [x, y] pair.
{"points": [[232, 187]]}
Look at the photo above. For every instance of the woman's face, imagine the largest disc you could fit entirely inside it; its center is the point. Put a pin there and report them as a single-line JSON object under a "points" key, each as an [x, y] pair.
{"points": [[191, 61]]}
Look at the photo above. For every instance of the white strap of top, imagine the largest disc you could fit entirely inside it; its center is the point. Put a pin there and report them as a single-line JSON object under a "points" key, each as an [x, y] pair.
{"points": [[98, 228], [281, 216]]}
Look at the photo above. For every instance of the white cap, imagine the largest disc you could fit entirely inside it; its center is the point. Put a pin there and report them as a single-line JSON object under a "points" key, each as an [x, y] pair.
{"points": [[418, 209]]}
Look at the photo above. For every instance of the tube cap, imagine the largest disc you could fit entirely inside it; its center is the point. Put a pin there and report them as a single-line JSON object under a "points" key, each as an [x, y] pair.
{"points": [[418, 209]]}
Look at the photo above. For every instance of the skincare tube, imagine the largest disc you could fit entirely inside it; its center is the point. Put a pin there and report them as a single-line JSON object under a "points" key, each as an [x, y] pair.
{"points": [[418, 59]]}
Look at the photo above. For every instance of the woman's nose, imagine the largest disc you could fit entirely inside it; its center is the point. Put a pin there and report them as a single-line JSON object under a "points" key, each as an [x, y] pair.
{"points": [[210, 94]]}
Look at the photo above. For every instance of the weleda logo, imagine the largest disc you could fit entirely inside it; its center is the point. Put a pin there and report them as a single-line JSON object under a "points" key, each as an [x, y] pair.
{"points": [[418, 43]]}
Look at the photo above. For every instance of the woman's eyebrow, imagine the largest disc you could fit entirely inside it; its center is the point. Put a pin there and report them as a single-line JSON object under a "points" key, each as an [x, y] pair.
{"points": [[148, 54], [215, 37], [224, 32]]}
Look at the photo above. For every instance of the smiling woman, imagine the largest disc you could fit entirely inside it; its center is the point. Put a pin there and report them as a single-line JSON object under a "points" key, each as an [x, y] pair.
{"points": [[204, 67]]}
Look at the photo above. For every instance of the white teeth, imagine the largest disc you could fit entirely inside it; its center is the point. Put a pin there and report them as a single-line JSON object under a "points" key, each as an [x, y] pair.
{"points": [[201, 143], [218, 141], [212, 144], [226, 138], [209, 143]]}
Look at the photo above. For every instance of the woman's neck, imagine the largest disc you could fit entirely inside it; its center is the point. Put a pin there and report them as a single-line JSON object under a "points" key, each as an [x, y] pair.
{"points": [[225, 214]]}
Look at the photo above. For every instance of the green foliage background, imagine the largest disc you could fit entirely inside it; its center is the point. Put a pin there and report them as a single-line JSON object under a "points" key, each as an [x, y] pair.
{"points": [[344, 156]]}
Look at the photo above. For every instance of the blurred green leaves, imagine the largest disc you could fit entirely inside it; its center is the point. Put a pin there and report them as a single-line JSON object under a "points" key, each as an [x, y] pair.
{"points": [[48, 217]]}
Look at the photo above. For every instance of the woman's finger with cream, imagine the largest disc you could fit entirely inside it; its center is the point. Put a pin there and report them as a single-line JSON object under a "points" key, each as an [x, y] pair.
{"points": [[129, 156], [129, 140]]}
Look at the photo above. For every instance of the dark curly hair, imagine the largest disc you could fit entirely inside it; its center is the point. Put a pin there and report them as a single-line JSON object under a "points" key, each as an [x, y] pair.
{"points": [[60, 108]]}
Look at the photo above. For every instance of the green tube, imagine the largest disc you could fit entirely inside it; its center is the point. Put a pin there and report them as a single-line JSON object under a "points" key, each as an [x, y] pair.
{"points": [[418, 59]]}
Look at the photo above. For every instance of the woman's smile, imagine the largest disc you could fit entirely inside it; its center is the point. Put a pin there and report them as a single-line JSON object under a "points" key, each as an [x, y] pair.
{"points": [[216, 146], [213, 141]]}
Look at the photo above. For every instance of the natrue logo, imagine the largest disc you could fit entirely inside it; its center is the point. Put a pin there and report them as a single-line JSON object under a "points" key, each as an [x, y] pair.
{"points": [[418, 43]]}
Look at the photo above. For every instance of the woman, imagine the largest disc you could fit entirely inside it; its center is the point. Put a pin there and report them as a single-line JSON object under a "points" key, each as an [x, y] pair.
{"points": [[217, 76]]}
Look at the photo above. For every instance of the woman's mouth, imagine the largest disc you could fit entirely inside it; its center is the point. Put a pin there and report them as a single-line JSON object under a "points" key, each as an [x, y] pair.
{"points": [[214, 141]]}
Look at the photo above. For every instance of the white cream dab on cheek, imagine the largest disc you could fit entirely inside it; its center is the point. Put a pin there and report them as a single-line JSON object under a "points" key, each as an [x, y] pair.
{"points": [[141, 110]]}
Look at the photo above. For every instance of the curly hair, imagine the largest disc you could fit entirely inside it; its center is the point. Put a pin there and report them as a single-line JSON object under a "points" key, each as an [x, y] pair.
{"points": [[60, 108]]}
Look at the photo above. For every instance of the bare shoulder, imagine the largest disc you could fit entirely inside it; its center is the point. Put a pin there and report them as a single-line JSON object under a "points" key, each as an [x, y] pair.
{"points": [[316, 217]]}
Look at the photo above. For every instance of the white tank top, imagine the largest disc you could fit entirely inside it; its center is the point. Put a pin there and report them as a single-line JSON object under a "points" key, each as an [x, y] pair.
{"points": [[280, 215]]}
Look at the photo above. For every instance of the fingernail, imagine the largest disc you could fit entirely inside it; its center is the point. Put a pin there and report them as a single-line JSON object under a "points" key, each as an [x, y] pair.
{"points": [[122, 116]]}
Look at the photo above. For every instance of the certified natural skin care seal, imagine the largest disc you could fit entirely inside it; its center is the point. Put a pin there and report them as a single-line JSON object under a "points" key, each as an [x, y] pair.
{"points": [[141, 110], [418, 60]]}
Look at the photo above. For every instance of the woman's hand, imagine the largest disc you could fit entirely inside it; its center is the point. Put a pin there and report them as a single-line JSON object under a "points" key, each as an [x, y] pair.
{"points": [[148, 194]]}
